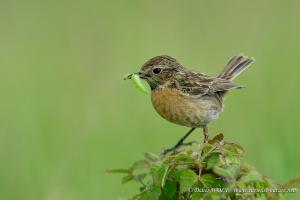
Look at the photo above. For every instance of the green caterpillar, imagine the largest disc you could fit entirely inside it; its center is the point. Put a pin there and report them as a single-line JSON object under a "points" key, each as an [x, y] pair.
{"points": [[136, 82]]}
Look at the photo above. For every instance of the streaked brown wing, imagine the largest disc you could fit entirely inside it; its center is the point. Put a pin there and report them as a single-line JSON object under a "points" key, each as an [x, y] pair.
{"points": [[198, 84]]}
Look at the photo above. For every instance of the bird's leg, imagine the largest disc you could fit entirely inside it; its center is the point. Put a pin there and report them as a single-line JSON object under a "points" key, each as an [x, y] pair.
{"points": [[205, 133], [180, 142]]}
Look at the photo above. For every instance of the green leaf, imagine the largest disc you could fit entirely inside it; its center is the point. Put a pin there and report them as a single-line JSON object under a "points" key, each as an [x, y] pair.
{"points": [[212, 160], [253, 175], [140, 164], [127, 178], [157, 172], [223, 172], [233, 149], [197, 196], [213, 196], [233, 160], [211, 181], [207, 148], [152, 194], [118, 171], [175, 175], [139, 177], [208, 180], [269, 183], [151, 157], [185, 158], [169, 191], [154, 169], [187, 180]]}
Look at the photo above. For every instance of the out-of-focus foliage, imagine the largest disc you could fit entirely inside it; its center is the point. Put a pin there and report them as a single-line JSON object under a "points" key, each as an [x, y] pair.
{"points": [[212, 171]]}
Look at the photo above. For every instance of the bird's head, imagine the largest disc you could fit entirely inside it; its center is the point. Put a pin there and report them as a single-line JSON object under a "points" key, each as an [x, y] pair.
{"points": [[159, 71]]}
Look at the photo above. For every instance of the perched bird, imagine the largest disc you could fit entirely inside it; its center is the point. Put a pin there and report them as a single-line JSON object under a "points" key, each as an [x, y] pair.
{"points": [[187, 97]]}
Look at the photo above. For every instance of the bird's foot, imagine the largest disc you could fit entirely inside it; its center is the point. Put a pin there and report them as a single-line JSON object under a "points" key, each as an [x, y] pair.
{"points": [[176, 147]]}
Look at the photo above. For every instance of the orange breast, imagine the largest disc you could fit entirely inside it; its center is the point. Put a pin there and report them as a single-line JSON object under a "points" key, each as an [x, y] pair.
{"points": [[182, 109]]}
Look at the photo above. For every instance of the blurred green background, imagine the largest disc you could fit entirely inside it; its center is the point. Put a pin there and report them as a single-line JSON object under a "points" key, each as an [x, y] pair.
{"points": [[66, 115]]}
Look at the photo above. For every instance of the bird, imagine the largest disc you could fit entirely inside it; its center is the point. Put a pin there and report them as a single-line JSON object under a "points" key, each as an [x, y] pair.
{"points": [[187, 97]]}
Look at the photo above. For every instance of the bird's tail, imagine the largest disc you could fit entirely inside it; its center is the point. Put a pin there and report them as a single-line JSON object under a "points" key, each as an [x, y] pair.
{"points": [[236, 65]]}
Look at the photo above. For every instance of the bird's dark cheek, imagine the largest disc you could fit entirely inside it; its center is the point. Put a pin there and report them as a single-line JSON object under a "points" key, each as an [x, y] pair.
{"points": [[153, 86], [147, 76], [143, 76], [152, 83]]}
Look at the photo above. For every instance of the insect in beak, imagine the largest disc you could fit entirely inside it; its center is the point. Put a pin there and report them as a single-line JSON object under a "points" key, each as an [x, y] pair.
{"points": [[136, 80], [129, 76]]}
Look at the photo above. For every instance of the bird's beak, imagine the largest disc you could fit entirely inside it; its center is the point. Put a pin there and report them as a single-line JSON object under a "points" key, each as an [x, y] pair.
{"points": [[130, 75]]}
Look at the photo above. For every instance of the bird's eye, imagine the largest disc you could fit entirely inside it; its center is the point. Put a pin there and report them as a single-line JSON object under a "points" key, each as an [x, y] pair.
{"points": [[156, 70]]}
